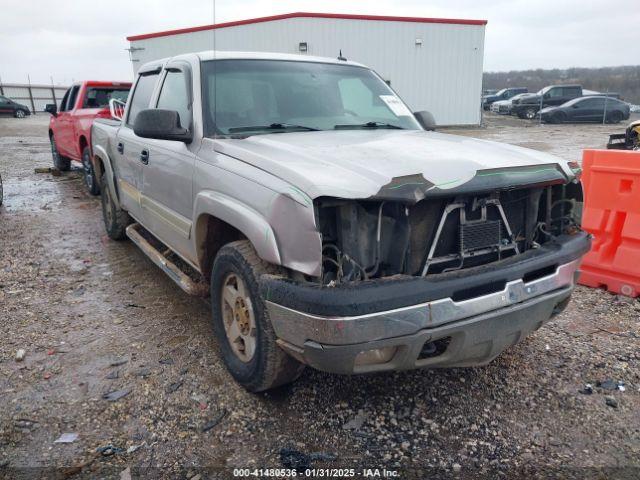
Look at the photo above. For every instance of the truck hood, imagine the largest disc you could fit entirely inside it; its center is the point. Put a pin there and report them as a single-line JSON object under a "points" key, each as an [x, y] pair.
{"points": [[382, 163]]}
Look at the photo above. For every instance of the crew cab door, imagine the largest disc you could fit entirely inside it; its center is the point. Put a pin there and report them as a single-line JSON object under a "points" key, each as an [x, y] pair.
{"points": [[63, 132], [129, 147], [167, 174], [586, 110], [554, 97]]}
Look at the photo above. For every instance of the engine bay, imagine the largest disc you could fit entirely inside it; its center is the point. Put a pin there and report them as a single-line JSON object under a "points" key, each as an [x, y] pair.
{"points": [[370, 239]]}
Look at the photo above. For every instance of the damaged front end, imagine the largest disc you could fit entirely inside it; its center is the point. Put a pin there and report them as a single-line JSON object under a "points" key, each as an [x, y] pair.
{"points": [[442, 232], [423, 277]]}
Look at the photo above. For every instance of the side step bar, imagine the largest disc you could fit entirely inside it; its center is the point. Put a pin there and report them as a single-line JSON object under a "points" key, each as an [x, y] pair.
{"points": [[182, 279]]}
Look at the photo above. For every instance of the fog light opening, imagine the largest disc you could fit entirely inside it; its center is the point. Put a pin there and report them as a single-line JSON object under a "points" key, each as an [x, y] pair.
{"points": [[376, 356], [434, 348]]}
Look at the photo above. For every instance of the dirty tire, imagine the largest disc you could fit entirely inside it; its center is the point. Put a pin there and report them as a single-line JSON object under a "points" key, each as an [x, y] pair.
{"points": [[61, 163], [90, 179], [20, 113], [530, 113], [559, 117], [270, 366], [615, 117], [115, 219]]}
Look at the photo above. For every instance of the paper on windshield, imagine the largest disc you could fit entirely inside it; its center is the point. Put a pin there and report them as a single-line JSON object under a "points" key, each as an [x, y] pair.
{"points": [[395, 105]]}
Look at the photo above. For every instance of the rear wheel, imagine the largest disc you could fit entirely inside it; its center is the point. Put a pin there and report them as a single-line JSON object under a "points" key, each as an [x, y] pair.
{"points": [[615, 117], [115, 219], [241, 321], [61, 163], [89, 172]]}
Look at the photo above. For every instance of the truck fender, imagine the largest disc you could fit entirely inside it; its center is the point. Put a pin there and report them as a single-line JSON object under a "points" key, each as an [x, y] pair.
{"points": [[240, 216], [102, 154]]}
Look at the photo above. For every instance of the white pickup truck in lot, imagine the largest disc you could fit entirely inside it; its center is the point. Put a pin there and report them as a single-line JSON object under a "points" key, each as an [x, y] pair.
{"points": [[326, 222]]}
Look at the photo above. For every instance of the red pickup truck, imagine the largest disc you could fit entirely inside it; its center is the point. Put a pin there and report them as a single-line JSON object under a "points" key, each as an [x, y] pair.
{"points": [[70, 126]]}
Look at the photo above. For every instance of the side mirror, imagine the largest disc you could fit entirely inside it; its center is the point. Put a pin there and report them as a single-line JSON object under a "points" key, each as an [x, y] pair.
{"points": [[576, 105], [547, 95], [51, 108], [161, 125], [426, 120]]}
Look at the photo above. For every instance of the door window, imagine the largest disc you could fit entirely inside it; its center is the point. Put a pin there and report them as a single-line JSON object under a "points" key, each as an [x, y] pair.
{"points": [[73, 95], [571, 92], [592, 103], [555, 92], [63, 103], [175, 96], [141, 96]]}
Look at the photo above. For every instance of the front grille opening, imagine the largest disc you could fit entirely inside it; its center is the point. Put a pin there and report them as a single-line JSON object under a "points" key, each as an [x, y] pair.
{"points": [[539, 273], [478, 291], [434, 348]]}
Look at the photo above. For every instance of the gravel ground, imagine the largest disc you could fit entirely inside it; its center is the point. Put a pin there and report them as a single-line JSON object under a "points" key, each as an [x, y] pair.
{"points": [[96, 317]]}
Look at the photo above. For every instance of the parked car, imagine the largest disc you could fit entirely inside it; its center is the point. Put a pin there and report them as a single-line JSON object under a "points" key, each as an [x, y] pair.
{"points": [[327, 225], [9, 107], [587, 109], [528, 107], [70, 126], [504, 94], [503, 107]]}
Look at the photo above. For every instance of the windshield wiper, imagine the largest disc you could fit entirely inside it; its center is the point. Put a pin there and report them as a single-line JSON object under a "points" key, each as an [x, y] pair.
{"points": [[273, 126], [368, 125]]}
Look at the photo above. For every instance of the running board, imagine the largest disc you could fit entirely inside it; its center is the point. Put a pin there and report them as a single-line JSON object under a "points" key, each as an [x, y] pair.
{"points": [[183, 280]]}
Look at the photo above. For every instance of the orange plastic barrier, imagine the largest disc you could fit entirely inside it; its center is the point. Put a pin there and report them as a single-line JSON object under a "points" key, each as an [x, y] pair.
{"points": [[611, 181]]}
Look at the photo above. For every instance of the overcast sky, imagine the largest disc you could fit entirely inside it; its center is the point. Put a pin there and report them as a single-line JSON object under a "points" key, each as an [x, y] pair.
{"points": [[73, 40]]}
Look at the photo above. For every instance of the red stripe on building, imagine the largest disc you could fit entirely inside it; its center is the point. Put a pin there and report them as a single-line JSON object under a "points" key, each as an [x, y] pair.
{"points": [[342, 16]]}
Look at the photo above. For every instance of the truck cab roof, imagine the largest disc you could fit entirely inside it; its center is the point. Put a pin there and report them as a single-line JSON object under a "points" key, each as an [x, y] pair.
{"points": [[225, 55]]}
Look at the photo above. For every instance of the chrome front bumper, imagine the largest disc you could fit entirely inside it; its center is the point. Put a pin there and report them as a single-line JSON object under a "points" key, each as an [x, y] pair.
{"points": [[501, 318]]}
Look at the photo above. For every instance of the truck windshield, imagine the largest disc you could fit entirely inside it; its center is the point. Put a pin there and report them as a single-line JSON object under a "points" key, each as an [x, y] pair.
{"points": [[250, 97]]}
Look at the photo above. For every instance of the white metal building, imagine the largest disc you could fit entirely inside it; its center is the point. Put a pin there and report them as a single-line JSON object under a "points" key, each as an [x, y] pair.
{"points": [[36, 97], [434, 64]]}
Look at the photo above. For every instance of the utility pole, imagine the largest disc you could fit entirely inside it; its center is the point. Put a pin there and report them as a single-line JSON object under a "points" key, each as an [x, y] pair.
{"points": [[33, 105], [604, 114], [53, 91]]}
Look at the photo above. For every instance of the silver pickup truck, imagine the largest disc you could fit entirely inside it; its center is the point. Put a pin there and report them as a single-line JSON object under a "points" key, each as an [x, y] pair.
{"points": [[328, 224]]}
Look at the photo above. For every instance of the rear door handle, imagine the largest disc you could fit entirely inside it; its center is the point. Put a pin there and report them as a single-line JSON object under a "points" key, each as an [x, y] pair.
{"points": [[120, 147], [144, 156]]}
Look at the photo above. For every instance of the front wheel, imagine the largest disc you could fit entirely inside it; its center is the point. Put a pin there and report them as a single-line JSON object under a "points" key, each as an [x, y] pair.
{"points": [[20, 114], [89, 172], [61, 163], [530, 113], [241, 321]]}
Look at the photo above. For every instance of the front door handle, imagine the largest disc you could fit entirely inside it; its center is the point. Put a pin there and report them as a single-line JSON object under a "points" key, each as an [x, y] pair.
{"points": [[144, 156], [121, 148]]}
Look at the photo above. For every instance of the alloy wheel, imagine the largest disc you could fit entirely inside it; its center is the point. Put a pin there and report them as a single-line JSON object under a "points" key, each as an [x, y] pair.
{"points": [[238, 317]]}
